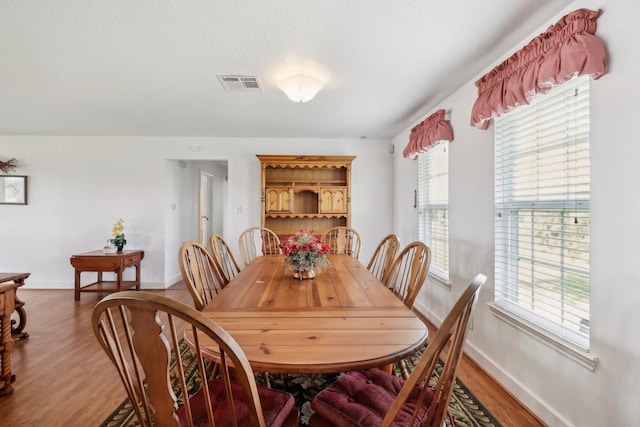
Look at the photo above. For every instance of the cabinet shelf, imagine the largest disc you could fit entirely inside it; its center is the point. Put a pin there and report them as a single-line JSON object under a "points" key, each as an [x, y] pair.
{"points": [[305, 215], [305, 183]]}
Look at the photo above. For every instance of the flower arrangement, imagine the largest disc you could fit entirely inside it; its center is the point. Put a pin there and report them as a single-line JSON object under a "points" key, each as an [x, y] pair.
{"points": [[305, 252], [118, 235]]}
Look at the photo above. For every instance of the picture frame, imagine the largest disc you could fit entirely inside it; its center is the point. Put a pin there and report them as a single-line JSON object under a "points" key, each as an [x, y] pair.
{"points": [[13, 190]]}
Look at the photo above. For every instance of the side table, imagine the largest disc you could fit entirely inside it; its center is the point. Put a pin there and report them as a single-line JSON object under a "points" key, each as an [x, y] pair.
{"points": [[17, 326], [9, 303], [97, 261]]}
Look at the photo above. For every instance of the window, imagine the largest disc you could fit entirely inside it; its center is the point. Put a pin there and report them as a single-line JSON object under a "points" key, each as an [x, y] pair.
{"points": [[433, 207], [542, 225]]}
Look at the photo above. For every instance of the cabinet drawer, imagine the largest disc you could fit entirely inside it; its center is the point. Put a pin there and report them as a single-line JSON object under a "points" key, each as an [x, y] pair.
{"points": [[93, 264]]}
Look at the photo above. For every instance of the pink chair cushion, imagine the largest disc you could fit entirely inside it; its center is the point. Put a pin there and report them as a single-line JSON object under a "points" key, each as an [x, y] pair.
{"points": [[363, 398], [276, 406]]}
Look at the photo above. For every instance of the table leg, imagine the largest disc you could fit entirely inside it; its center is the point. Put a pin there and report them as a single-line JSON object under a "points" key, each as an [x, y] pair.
{"points": [[77, 285], [18, 326], [119, 279], [137, 276], [6, 345]]}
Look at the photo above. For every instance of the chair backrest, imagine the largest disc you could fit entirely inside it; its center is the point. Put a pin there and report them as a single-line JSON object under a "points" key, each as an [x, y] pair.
{"points": [[383, 256], [140, 332], [258, 241], [342, 240], [451, 334], [409, 271], [222, 254], [200, 272]]}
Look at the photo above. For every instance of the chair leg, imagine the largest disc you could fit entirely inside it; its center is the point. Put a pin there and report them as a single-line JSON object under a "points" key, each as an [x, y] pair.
{"points": [[265, 378], [317, 421], [293, 420], [403, 370], [388, 368], [215, 370]]}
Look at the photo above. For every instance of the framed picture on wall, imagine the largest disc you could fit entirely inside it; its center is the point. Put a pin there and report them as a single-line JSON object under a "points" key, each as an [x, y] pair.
{"points": [[13, 190]]}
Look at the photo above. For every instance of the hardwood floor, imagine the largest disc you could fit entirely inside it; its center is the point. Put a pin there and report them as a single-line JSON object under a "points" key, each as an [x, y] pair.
{"points": [[63, 378]]}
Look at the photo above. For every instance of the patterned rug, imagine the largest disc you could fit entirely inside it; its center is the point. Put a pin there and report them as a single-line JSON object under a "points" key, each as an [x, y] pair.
{"points": [[466, 410]]}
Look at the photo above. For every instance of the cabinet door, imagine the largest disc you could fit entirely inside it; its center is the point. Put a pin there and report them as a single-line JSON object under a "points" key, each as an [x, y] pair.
{"points": [[333, 200], [279, 199]]}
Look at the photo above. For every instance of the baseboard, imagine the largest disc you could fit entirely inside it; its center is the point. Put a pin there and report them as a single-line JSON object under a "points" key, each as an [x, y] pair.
{"points": [[153, 285], [513, 387], [62, 285], [173, 280]]}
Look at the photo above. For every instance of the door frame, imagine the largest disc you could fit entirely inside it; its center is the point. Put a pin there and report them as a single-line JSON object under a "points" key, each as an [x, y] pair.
{"points": [[205, 210]]}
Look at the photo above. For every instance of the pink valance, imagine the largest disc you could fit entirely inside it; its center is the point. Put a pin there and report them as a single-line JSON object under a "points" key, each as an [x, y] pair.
{"points": [[567, 49], [427, 134]]}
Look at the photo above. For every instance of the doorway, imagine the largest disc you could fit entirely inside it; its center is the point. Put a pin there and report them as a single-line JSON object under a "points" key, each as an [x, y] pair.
{"points": [[206, 206]]}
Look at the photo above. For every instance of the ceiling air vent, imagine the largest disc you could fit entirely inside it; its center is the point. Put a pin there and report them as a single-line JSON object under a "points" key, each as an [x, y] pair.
{"points": [[240, 83]]}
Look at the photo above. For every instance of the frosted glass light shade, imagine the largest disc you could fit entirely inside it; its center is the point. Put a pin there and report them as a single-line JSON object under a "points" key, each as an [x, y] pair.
{"points": [[300, 88]]}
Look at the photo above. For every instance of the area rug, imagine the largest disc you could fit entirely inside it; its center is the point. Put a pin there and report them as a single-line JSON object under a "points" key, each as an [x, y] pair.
{"points": [[466, 410]]}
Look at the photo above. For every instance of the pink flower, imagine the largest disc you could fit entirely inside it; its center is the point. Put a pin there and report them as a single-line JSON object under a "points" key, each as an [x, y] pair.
{"points": [[305, 251]]}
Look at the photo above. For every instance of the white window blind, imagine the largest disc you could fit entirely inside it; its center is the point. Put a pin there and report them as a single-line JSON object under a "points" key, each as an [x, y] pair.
{"points": [[542, 225], [433, 206]]}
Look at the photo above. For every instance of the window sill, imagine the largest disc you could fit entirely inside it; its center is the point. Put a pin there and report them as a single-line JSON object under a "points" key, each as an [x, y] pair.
{"points": [[440, 279], [573, 352]]}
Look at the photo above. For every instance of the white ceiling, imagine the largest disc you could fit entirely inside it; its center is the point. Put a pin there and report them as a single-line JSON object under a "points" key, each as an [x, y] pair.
{"points": [[149, 67]]}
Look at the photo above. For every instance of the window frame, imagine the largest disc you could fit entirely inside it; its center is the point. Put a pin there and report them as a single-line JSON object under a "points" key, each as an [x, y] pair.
{"points": [[573, 343], [437, 272]]}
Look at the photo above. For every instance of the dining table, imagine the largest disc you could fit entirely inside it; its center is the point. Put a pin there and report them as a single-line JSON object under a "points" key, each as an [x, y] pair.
{"points": [[342, 319]]}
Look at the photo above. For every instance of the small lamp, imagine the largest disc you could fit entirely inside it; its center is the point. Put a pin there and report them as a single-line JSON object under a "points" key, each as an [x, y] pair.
{"points": [[300, 88]]}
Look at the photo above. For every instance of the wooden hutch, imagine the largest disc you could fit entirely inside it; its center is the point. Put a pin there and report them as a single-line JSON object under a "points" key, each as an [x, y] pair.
{"points": [[311, 192]]}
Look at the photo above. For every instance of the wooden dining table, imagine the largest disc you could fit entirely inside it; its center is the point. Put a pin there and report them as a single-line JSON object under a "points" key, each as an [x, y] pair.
{"points": [[343, 319]]}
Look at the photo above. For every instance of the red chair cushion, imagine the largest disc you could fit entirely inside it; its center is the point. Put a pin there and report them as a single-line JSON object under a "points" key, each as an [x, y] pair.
{"points": [[276, 406], [363, 398]]}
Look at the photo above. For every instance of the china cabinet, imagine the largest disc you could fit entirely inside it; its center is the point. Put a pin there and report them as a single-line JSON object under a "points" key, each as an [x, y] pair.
{"points": [[311, 192]]}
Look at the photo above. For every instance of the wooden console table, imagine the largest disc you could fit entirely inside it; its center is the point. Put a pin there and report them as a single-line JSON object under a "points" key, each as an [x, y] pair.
{"points": [[8, 303], [99, 262]]}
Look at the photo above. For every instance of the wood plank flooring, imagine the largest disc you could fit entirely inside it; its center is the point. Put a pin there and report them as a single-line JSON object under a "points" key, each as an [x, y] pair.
{"points": [[63, 378]]}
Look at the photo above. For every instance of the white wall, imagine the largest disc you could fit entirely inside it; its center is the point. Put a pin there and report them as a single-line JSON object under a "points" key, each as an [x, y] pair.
{"points": [[558, 389], [174, 217], [79, 186]]}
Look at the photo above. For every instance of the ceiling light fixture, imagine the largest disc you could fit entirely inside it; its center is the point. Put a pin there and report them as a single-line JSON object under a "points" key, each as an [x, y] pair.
{"points": [[300, 88]]}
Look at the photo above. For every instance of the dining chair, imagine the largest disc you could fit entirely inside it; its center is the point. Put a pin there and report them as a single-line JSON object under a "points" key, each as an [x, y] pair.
{"points": [[374, 398], [141, 333], [258, 241], [408, 272], [222, 254], [203, 276], [383, 256], [405, 278], [200, 272], [342, 240]]}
